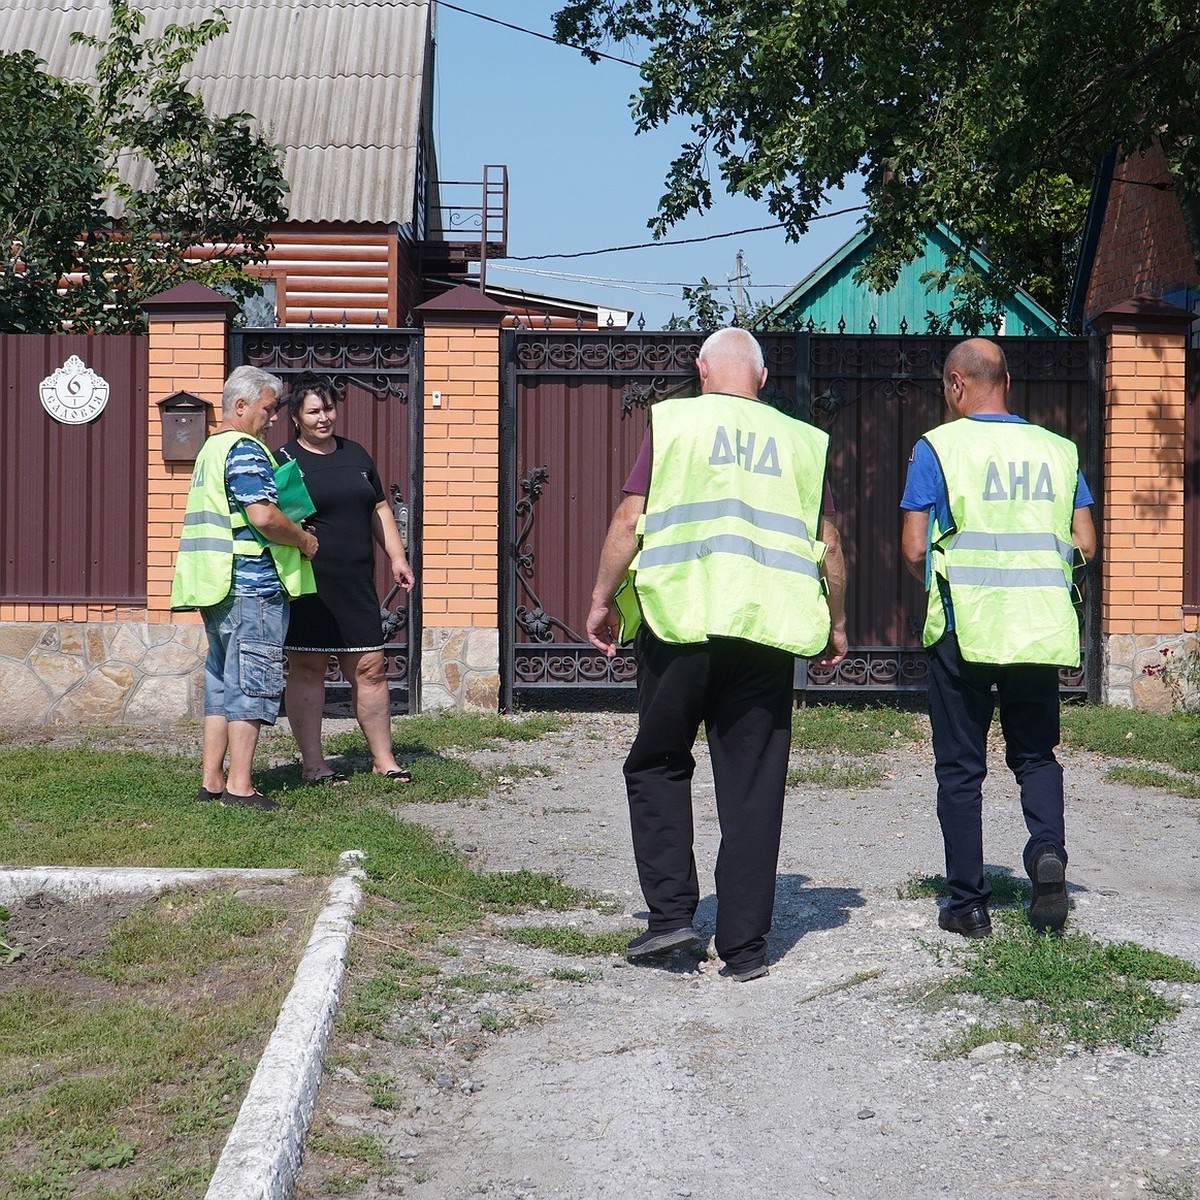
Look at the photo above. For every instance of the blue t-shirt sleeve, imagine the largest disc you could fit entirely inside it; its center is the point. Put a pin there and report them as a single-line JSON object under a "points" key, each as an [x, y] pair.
{"points": [[925, 485], [249, 478], [1083, 495]]}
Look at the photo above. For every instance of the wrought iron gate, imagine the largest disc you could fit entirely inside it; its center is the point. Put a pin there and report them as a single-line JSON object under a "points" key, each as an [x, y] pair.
{"points": [[574, 408], [375, 371]]}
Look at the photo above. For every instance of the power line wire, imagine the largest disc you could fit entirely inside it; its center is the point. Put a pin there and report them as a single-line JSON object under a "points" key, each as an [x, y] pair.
{"points": [[709, 237], [534, 33]]}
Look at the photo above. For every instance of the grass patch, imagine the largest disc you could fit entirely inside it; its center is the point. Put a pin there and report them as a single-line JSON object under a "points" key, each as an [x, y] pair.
{"points": [[836, 773], [134, 1075], [1151, 777], [1006, 889], [126, 1083], [175, 937], [1069, 989], [1173, 739], [562, 940], [835, 728]]}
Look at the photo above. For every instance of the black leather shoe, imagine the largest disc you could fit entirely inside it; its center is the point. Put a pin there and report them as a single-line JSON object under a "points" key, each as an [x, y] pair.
{"points": [[1048, 910], [974, 923]]}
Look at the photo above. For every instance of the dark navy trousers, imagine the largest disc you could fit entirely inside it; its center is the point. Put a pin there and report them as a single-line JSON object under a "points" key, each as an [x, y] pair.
{"points": [[961, 705], [742, 693]]}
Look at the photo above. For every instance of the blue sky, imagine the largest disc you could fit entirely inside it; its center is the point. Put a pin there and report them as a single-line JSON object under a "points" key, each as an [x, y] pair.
{"points": [[580, 179]]}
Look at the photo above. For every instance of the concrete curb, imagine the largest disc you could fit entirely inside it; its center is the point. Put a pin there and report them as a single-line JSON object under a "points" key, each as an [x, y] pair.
{"points": [[18, 884], [261, 1159]]}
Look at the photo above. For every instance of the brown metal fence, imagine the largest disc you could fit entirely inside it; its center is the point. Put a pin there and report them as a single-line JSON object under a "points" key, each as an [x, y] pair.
{"points": [[575, 414], [73, 495]]}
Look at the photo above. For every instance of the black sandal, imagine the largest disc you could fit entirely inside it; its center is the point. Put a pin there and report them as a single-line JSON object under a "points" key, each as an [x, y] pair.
{"points": [[400, 775], [330, 780]]}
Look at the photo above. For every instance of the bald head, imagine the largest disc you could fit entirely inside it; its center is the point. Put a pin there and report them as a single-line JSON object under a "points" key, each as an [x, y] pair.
{"points": [[975, 377], [731, 362]]}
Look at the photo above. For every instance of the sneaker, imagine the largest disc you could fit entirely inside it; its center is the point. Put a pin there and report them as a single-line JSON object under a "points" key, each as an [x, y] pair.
{"points": [[1048, 909], [661, 942], [744, 974], [255, 800]]}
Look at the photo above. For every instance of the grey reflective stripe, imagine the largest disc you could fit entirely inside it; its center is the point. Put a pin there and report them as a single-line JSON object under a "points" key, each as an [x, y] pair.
{"points": [[187, 545], [207, 517], [1000, 577], [1006, 542], [712, 510], [727, 543]]}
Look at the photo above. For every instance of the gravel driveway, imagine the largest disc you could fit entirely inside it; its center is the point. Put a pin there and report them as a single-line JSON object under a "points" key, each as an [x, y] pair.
{"points": [[819, 1080]]}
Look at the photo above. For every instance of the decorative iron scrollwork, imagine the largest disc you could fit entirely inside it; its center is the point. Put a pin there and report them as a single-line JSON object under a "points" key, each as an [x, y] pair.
{"points": [[533, 618], [377, 360]]}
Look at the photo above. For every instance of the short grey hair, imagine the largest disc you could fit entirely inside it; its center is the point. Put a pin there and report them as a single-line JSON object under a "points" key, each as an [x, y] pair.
{"points": [[247, 383], [733, 345]]}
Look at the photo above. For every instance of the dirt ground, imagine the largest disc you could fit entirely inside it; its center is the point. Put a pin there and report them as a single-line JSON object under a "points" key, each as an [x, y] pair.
{"points": [[607, 1080], [824, 1078]]}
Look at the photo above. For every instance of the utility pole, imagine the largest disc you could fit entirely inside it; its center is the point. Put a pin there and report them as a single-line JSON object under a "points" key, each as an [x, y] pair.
{"points": [[739, 301]]}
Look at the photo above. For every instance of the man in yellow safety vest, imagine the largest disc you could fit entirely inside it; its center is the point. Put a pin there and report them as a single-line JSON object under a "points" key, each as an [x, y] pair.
{"points": [[735, 571], [995, 511], [240, 560]]}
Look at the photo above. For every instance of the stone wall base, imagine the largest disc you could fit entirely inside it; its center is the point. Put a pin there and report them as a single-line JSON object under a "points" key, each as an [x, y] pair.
{"points": [[119, 673], [460, 668], [1132, 669]]}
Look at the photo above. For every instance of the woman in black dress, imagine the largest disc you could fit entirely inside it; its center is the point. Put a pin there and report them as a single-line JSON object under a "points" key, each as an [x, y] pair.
{"points": [[343, 617]]}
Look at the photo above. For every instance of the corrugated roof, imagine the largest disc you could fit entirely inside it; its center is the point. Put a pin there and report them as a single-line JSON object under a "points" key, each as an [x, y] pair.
{"points": [[336, 83]]}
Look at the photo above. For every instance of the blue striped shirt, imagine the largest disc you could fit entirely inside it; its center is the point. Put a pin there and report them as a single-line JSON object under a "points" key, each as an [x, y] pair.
{"points": [[249, 479]]}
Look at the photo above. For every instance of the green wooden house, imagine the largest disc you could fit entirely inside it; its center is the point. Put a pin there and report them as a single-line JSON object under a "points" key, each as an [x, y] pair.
{"points": [[828, 299]]}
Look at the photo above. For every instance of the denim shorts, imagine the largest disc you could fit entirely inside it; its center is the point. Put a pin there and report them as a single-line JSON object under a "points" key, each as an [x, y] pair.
{"points": [[243, 673]]}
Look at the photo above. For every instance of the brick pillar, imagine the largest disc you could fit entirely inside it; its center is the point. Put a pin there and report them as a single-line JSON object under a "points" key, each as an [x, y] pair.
{"points": [[189, 329], [460, 534], [1142, 545]]}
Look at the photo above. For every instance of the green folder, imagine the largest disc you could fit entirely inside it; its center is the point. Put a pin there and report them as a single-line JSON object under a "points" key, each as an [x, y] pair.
{"points": [[294, 500]]}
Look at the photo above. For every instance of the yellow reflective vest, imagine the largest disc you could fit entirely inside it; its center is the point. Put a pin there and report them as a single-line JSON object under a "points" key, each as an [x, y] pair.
{"points": [[728, 537], [1007, 558], [204, 565]]}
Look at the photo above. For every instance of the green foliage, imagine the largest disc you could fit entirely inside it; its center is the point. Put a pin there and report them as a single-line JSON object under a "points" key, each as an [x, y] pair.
{"points": [[1179, 670], [51, 175], [1149, 777], [195, 195], [836, 728], [988, 118], [175, 937], [1006, 889], [1072, 988], [824, 772], [562, 940], [9, 953], [1126, 733], [705, 312]]}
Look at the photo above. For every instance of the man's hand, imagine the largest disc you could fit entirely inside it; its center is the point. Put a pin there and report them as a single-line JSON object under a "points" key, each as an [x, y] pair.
{"points": [[309, 545], [835, 649], [603, 624]]}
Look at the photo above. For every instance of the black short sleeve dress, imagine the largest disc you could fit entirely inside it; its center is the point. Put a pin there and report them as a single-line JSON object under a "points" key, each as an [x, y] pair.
{"points": [[344, 614]]}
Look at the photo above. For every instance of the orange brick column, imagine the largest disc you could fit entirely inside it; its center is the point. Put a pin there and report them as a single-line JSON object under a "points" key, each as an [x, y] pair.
{"points": [[1142, 544], [459, 574], [189, 330]]}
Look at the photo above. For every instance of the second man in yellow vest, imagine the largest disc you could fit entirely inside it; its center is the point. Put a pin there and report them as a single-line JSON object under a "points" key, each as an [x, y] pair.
{"points": [[737, 572], [995, 510]]}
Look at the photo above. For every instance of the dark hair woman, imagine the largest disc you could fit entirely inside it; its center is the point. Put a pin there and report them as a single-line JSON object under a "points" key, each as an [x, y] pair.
{"points": [[343, 617]]}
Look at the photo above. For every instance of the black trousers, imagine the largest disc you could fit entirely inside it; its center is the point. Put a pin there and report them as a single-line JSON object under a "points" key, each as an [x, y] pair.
{"points": [[742, 692], [961, 706]]}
